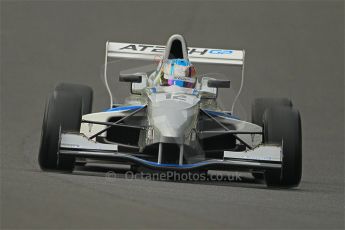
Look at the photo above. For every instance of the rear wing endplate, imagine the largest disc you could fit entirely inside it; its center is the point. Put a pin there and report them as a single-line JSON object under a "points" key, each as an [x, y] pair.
{"points": [[154, 52]]}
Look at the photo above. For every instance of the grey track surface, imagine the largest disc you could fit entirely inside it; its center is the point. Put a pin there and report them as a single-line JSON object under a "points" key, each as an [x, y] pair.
{"points": [[294, 49]]}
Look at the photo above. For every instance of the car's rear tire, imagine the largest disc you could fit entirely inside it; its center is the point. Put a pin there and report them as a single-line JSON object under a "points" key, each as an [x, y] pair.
{"points": [[259, 106], [282, 126], [62, 113], [84, 91]]}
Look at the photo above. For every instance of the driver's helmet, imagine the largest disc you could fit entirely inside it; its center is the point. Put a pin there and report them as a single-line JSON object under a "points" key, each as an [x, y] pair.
{"points": [[179, 72]]}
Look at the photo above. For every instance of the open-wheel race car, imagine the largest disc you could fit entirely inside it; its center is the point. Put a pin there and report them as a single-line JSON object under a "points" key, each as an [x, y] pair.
{"points": [[172, 120]]}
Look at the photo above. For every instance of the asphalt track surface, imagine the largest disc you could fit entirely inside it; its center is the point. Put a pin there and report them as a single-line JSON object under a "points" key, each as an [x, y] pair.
{"points": [[294, 49]]}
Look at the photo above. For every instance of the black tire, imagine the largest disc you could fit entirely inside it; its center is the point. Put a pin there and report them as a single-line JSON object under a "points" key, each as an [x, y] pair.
{"points": [[260, 105], [282, 125], [63, 112], [85, 92]]}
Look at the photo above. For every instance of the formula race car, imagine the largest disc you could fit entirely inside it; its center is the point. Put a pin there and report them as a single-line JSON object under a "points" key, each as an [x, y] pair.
{"points": [[172, 120]]}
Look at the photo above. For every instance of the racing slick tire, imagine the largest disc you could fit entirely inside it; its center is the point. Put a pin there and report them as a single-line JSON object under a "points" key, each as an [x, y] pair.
{"points": [[63, 112], [84, 91], [258, 109], [282, 125], [260, 105]]}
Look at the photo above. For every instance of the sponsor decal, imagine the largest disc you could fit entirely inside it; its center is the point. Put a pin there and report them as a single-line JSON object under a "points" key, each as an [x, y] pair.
{"points": [[186, 79], [220, 51], [197, 51], [160, 49], [149, 48]]}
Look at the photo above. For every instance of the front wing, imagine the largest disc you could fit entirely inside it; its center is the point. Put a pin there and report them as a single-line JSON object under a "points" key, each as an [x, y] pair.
{"points": [[261, 158]]}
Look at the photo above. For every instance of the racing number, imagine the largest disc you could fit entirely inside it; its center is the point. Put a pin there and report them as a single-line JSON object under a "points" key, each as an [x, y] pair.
{"points": [[180, 97]]}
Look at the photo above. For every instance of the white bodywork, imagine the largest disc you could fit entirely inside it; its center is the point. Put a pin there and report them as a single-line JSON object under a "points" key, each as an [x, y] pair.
{"points": [[261, 153], [172, 114], [80, 141], [196, 55], [157, 52], [90, 129]]}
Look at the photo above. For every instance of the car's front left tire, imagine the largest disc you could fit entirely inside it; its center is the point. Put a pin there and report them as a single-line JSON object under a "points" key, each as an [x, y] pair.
{"points": [[84, 91], [86, 94], [63, 112]]}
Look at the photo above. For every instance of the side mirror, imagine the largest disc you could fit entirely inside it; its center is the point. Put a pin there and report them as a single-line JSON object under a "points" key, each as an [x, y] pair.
{"points": [[139, 81], [132, 77], [218, 83]]}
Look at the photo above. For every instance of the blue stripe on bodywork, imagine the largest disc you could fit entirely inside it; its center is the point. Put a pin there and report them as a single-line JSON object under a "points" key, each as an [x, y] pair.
{"points": [[173, 165], [134, 107], [124, 108], [222, 114]]}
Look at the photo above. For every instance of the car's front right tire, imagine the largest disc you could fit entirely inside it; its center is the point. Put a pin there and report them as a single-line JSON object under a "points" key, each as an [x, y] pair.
{"points": [[63, 112], [282, 126], [259, 106]]}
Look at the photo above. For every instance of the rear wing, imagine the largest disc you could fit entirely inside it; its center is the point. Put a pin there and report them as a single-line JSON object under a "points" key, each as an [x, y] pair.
{"points": [[154, 52]]}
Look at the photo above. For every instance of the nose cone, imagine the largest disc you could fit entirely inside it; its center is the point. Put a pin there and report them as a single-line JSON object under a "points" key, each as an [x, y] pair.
{"points": [[176, 48], [173, 119]]}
